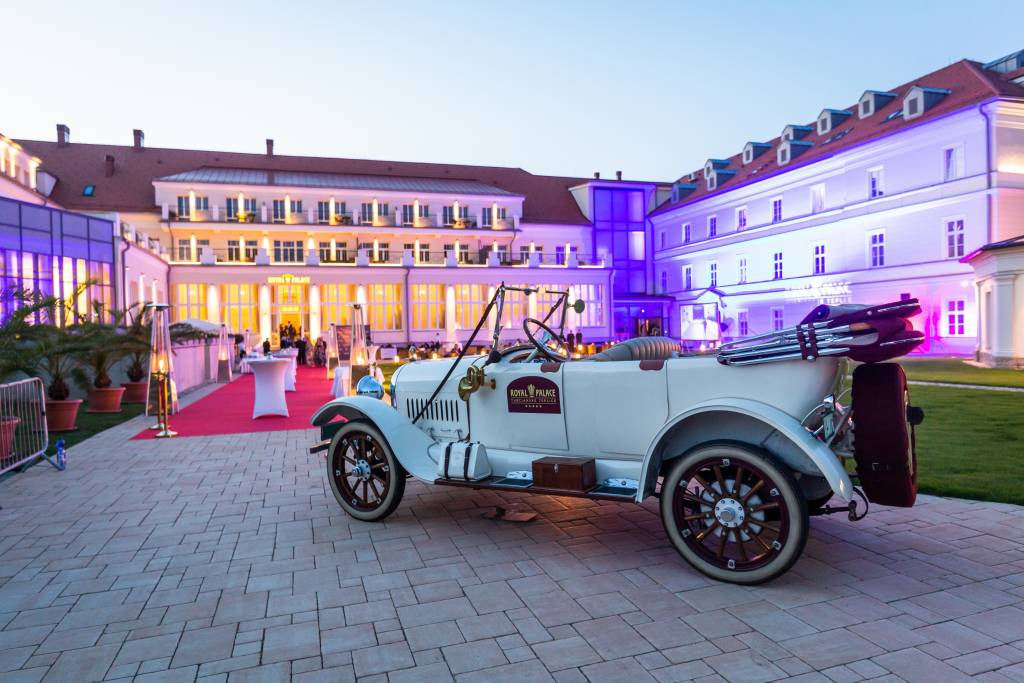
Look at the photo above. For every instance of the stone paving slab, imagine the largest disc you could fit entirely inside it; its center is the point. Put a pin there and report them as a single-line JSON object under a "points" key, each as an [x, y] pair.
{"points": [[227, 559]]}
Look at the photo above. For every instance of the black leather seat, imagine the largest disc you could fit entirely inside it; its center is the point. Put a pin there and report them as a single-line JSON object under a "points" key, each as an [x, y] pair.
{"points": [[640, 348]]}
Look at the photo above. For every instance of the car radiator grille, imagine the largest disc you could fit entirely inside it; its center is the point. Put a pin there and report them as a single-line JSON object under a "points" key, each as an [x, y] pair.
{"points": [[443, 415]]}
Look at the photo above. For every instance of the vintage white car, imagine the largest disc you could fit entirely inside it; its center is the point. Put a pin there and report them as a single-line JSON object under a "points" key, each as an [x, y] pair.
{"points": [[740, 446]]}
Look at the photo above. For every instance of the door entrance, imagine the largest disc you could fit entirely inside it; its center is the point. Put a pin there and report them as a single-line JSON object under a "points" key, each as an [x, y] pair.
{"points": [[291, 309]]}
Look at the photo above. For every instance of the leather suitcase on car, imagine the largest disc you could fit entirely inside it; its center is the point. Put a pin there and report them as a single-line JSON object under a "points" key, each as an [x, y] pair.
{"points": [[568, 474]]}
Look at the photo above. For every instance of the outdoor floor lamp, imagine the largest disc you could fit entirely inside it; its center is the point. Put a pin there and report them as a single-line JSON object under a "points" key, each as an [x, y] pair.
{"points": [[161, 369], [225, 355]]}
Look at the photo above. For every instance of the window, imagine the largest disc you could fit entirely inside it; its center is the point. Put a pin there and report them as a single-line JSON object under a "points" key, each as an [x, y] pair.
{"points": [[875, 185], [661, 239], [743, 323], [428, 307], [502, 213], [783, 155], [686, 233], [325, 251], [865, 108], [234, 251], [741, 218], [383, 209], [408, 214], [470, 301], [664, 281], [819, 259], [184, 250], [913, 107], [687, 277], [712, 274], [955, 238], [712, 226], [366, 212], [524, 253], [384, 307], [183, 206], [88, 190], [323, 212], [876, 249], [955, 318], [231, 208], [278, 211], [778, 322], [817, 198], [776, 209], [777, 266], [425, 211], [953, 163], [383, 252], [202, 203], [487, 217], [249, 206], [288, 251], [743, 270], [296, 207], [240, 307], [191, 301], [448, 216]]}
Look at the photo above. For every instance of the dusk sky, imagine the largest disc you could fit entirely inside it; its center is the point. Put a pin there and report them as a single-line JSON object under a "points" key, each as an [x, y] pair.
{"points": [[566, 88]]}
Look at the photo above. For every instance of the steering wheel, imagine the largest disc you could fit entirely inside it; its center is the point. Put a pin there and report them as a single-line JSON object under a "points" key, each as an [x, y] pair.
{"points": [[549, 344]]}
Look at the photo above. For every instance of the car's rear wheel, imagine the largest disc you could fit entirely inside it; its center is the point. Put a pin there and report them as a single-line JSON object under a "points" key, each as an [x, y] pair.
{"points": [[734, 513], [366, 477]]}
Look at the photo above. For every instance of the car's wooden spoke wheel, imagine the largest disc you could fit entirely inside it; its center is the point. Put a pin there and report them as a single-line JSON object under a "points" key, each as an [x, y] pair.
{"points": [[366, 478], [734, 513]]}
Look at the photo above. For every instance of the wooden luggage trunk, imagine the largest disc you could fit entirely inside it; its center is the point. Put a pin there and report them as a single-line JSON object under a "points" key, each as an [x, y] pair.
{"points": [[567, 474]]}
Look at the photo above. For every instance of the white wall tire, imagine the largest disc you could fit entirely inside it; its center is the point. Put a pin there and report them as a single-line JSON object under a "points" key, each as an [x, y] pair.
{"points": [[734, 513], [365, 476]]}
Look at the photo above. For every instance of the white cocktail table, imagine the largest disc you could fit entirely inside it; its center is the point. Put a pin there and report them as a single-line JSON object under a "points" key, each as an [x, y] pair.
{"points": [[269, 375], [291, 355]]}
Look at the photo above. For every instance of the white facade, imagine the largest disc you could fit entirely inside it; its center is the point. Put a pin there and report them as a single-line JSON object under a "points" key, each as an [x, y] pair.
{"points": [[888, 219]]}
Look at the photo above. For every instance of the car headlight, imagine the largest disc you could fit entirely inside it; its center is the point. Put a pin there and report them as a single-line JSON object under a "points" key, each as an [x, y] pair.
{"points": [[370, 386]]}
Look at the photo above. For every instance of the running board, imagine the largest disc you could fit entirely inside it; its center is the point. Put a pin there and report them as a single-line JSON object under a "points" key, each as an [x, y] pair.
{"points": [[492, 483]]}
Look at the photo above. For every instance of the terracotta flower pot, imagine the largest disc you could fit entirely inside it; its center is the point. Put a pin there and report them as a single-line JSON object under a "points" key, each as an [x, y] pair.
{"points": [[8, 424], [62, 415], [134, 392], [106, 400]]}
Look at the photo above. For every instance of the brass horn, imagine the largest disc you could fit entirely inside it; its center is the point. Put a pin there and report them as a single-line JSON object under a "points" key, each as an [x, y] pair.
{"points": [[473, 380]]}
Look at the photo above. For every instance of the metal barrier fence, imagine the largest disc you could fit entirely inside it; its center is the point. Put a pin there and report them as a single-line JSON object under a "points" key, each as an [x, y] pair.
{"points": [[23, 434]]}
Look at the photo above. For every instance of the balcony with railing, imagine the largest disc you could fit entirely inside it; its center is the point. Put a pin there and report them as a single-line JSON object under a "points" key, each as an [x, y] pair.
{"points": [[312, 216], [369, 257]]}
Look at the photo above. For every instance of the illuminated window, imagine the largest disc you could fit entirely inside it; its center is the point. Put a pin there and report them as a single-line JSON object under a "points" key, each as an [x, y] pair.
{"points": [[955, 238], [336, 304], [384, 307], [956, 318], [191, 301], [240, 307], [469, 305], [428, 307]]}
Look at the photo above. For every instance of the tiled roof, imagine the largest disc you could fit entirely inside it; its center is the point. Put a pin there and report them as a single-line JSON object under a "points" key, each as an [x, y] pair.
{"points": [[968, 82], [130, 188], [248, 176]]}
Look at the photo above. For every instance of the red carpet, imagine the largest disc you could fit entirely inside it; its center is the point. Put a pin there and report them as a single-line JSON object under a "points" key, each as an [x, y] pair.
{"points": [[228, 410]]}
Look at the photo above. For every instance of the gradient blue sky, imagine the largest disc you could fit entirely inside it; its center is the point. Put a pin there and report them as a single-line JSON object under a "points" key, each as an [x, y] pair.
{"points": [[568, 88]]}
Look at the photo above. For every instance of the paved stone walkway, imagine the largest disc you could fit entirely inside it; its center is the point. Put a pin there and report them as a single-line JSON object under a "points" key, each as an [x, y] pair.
{"points": [[225, 559]]}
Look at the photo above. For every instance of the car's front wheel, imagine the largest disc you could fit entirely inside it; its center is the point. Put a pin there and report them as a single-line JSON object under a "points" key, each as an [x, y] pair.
{"points": [[734, 513], [366, 477]]}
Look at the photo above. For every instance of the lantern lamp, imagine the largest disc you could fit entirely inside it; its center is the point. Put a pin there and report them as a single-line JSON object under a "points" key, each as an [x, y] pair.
{"points": [[224, 354], [161, 370]]}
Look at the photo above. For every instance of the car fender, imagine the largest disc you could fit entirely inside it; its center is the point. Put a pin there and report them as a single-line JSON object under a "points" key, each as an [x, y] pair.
{"points": [[764, 426], [409, 443]]}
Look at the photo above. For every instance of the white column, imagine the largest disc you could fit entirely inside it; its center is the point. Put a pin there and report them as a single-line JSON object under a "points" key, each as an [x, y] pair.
{"points": [[1002, 320], [193, 256], [531, 306], [314, 312], [361, 295], [264, 313], [492, 317], [449, 314], [213, 303]]}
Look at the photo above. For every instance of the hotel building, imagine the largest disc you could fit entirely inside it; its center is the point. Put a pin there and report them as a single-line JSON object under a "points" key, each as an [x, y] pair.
{"points": [[911, 191], [916, 190], [258, 241]]}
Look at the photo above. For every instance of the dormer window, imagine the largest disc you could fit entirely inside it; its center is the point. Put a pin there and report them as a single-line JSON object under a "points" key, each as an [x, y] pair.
{"points": [[921, 99], [828, 119], [752, 150], [791, 149], [712, 181], [783, 155], [871, 101], [795, 132]]}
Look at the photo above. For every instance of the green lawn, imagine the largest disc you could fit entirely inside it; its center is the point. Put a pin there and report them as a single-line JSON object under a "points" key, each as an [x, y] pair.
{"points": [[90, 424], [955, 371], [971, 444]]}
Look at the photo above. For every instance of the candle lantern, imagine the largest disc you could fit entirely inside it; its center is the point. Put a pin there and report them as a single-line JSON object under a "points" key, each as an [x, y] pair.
{"points": [[225, 354], [161, 371]]}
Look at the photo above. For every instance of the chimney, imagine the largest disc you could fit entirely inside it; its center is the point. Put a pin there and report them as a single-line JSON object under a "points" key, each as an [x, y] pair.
{"points": [[63, 135], [270, 147], [618, 175], [108, 165], [597, 175], [140, 139]]}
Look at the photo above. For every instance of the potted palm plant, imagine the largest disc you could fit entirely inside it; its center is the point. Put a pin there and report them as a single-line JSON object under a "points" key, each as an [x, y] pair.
{"points": [[16, 358], [103, 346], [137, 335], [56, 351]]}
